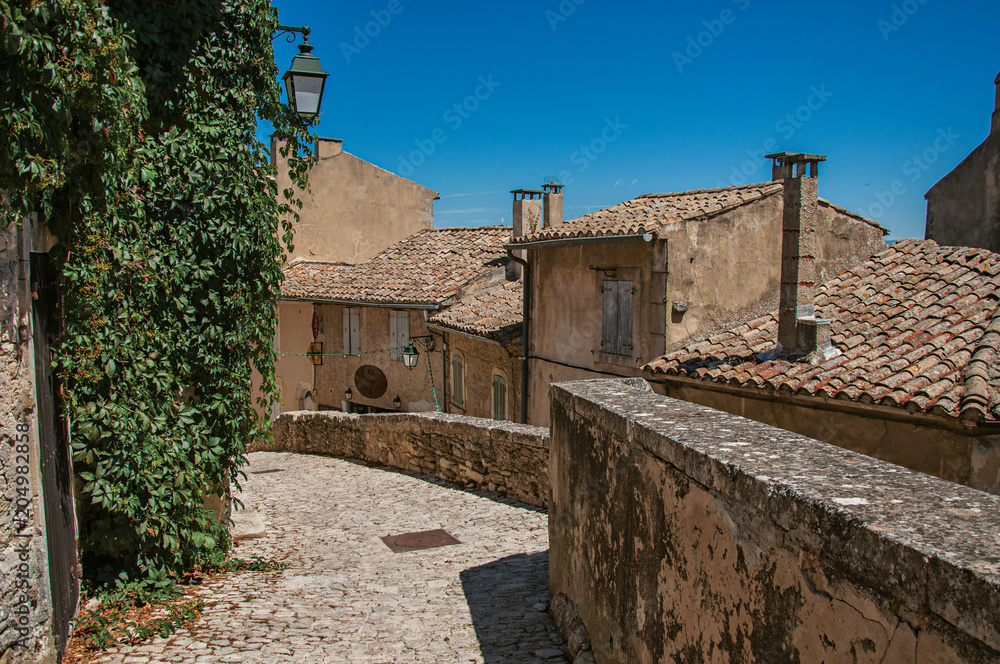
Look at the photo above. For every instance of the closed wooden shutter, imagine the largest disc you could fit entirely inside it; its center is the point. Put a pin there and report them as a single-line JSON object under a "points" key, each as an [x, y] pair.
{"points": [[625, 318], [352, 331], [609, 337], [399, 334], [499, 398], [457, 382]]}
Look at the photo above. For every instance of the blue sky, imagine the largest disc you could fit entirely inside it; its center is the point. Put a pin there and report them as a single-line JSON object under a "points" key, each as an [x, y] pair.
{"points": [[621, 99]]}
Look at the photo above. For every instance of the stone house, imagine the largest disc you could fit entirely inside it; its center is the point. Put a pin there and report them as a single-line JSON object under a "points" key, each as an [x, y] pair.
{"points": [[909, 374], [963, 209], [352, 211], [482, 332], [366, 315], [611, 291]]}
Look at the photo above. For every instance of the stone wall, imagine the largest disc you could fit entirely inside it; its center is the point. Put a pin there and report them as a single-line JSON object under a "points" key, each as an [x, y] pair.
{"points": [[509, 459], [683, 534], [25, 608]]}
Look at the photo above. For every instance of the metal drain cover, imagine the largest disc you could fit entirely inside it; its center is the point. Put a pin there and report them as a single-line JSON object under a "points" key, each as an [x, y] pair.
{"points": [[430, 539]]}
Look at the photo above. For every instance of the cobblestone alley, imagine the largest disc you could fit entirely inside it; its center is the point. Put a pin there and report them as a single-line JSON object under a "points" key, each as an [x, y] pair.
{"points": [[346, 597]]}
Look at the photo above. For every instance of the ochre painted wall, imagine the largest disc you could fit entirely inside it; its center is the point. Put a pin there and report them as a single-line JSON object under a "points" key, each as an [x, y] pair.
{"points": [[337, 374], [354, 209]]}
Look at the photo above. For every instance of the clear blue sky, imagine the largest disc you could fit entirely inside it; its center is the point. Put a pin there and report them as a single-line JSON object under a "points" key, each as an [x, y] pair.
{"points": [[667, 96]]}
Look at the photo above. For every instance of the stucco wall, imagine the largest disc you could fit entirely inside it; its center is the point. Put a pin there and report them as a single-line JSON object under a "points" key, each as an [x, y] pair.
{"points": [[964, 458], [483, 360], [509, 459], [337, 374], [25, 609], [294, 334], [727, 268], [354, 209], [963, 209], [683, 534]]}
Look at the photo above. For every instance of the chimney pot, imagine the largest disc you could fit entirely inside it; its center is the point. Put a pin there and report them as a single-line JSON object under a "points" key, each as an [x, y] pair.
{"points": [[526, 219], [798, 246], [552, 201]]}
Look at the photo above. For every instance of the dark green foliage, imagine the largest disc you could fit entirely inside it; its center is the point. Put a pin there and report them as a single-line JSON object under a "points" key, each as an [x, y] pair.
{"points": [[132, 130]]}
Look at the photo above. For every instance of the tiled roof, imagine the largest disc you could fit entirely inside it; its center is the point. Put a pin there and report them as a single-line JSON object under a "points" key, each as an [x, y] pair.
{"points": [[428, 267], [647, 213], [494, 312], [918, 326], [650, 212]]}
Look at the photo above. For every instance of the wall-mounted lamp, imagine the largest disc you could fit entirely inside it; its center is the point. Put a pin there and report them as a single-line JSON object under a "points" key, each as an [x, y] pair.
{"points": [[305, 78], [410, 354], [348, 395], [397, 403]]}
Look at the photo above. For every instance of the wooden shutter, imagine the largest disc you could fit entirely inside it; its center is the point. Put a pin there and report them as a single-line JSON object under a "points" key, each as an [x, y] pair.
{"points": [[625, 318], [499, 398], [356, 331], [394, 353], [347, 330], [457, 382], [609, 337]]}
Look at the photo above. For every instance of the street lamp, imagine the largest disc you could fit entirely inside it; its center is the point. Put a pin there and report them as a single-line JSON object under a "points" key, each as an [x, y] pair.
{"points": [[305, 78], [410, 356]]}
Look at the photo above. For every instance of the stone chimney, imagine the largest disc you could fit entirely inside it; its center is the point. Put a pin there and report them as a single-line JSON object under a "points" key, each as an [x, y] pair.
{"points": [[552, 201], [996, 112], [527, 219], [799, 331]]}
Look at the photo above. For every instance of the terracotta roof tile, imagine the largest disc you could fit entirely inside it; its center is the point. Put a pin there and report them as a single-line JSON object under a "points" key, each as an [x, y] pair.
{"points": [[426, 268], [650, 212], [918, 325], [494, 312]]}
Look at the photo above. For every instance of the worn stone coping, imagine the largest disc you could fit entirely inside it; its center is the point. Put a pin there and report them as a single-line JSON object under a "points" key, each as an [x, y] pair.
{"points": [[927, 543], [517, 433]]}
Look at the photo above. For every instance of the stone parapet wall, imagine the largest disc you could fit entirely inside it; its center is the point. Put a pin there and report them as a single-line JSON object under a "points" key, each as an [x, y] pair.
{"points": [[509, 459], [683, 534]]}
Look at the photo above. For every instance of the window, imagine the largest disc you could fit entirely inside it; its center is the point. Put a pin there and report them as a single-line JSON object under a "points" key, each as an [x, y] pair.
{"points": [[399, 334], [617, 337], [499, 398], [457, 381], [352, 331]]}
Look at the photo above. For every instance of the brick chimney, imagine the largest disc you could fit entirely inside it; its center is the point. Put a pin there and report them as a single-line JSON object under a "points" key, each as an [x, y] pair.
{"points": [[996, 112], [552, 201], [799, 331], [527, 219]]}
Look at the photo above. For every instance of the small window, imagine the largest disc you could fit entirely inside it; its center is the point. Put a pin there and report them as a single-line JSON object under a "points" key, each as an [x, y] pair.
{"points": [[499, 398], [399, 334], [352, 331], [617, 336], [457, 381]]}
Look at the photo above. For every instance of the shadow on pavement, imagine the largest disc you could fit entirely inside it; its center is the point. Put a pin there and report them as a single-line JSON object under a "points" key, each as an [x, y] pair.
{"points": [[502, 597]]}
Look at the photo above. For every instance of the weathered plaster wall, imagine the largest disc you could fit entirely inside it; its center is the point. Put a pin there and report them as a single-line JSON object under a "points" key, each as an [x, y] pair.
{"points": [[484, 359], [963, 458], [683, 534], [336, 374], [727, 268], [509, 459], [294, 334], [25, 604], [963, 209], [354, 209]]}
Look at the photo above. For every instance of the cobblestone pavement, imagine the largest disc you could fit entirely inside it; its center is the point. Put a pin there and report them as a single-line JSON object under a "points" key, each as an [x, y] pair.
{"points": [[346, 597]]}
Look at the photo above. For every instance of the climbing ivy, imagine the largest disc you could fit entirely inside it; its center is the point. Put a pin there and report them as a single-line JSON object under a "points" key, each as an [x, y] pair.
{"points": [[131, 126]]}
